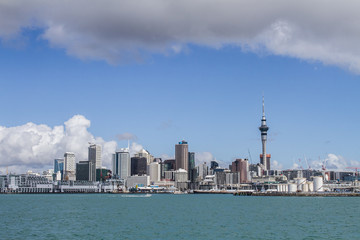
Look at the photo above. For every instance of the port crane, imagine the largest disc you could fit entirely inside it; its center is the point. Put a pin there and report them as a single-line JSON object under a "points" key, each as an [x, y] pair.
{"points": [[356, 170]]}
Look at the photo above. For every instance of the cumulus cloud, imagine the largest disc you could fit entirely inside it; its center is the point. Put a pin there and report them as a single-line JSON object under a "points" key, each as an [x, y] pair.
{"points": [[331, 162], [33, 146], [112, 30], [276, 165], [201, 157]]}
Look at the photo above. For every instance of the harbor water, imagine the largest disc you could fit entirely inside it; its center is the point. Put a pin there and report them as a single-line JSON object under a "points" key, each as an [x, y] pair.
{"points": [[183, 216]]}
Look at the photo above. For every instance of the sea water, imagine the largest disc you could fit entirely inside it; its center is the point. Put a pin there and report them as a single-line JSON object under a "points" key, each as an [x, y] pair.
{"points": [[187, 216]]}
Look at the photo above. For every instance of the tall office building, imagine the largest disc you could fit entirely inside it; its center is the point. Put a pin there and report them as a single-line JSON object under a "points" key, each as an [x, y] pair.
{"points": [[121, 163], [154, 171], [85, 171], [95, 155], [191, 166], [69, 166], [59, 167], [138, 166], [144, 153], [213, 165], [263, 129], [242, 166], [182, 155]]}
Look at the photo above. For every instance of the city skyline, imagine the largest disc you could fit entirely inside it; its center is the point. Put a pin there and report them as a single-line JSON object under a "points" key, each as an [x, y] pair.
{"points": [[65, 84]]}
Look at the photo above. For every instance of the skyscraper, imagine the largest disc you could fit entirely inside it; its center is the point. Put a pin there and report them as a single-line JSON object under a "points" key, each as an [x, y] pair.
{"points": [[121, 163], [263, 129], [59, 167], [95, 155], [242, 166], [191, 166], [69, 166], [138, 166], [182, 155], [85, 171]]}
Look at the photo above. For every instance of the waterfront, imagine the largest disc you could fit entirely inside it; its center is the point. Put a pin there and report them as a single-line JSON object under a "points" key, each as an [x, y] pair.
{"points": [[159, 216]]}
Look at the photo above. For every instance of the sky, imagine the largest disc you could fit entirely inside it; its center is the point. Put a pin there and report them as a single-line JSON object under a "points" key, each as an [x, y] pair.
{"points": [[157, 72]]}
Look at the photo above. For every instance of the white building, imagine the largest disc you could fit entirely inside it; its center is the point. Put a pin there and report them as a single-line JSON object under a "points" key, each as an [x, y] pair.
{"points": [[154, 171], [203, 171], [95, 155], [121, 163], [140, 181], [69, 166], [144, 153]]}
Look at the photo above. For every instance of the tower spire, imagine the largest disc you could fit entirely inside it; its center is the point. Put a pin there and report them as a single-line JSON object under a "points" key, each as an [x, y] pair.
{"points": [[263, 107]]}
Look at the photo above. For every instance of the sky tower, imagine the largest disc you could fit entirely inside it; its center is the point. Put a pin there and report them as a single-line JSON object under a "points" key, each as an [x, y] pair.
{"points": [[264, 159]]}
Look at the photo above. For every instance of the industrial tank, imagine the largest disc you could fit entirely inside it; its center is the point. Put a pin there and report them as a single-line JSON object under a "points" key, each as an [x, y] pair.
{"points": [[305, 187], [318, 184], [310, 186], [292, 187], [300, 183]]}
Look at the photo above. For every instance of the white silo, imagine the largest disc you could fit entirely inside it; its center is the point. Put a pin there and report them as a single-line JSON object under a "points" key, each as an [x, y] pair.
{"points": [[305, 187], [318, 184], [300, 183], [310, 186], [292, 187]]}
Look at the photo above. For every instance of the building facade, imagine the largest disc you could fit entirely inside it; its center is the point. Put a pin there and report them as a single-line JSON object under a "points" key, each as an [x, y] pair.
{"points": [[121, 163], [94, 155], [69, 166], [182, 156]]}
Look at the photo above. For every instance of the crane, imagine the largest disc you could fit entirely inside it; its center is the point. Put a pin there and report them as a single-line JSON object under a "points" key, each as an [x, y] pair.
{"points": [[356, 170]]}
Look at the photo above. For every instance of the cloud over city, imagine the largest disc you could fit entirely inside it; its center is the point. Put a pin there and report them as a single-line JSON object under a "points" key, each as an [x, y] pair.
{"points": [[35, 146], [116, 31]]}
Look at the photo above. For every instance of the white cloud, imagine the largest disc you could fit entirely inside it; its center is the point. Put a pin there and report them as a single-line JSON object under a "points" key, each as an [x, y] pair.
{"points": [[275, 165], [112, 30], [135, 148], [33, 146], [201, 157], [331, 162]]}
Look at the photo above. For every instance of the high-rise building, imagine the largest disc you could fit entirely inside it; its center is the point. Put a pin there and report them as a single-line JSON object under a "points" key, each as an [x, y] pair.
{"points": [[95, 155], [191, 166], [182, 155], [69, 166], [167, 165], [202, 170], [59, 167], [121, 163], [213, 165], [84, 171], [263, 129], [154, 171], [138, 166], [242, 166], [144, 153]]}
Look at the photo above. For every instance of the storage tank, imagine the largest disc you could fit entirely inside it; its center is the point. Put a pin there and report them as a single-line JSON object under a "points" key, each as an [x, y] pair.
{"points": [[310, 186], [292, 187], [318, 184], [305, 187], [300, 183]]}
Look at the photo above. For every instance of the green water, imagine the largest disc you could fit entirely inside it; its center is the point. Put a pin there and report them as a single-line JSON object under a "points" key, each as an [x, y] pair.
{"points": [[192, 216]]}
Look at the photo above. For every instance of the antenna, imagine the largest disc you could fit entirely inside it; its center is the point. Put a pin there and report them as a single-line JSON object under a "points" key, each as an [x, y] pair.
{"points": [[263, 106]]}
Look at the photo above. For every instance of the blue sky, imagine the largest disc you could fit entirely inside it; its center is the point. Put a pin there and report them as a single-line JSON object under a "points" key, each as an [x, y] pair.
{"points": [[209, 96]]}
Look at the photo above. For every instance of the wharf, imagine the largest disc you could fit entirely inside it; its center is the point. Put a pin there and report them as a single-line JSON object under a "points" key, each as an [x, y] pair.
{"points": [[214, 192], [298, 194]]}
